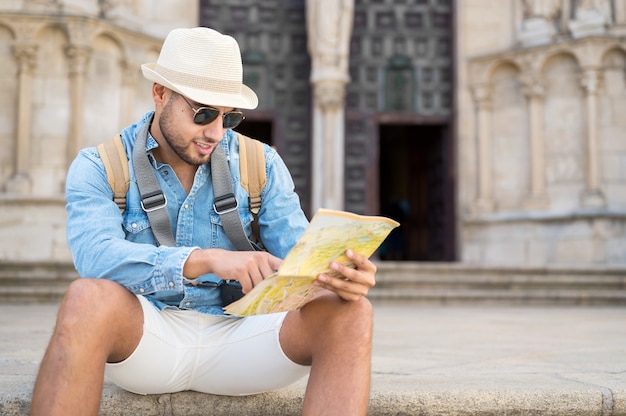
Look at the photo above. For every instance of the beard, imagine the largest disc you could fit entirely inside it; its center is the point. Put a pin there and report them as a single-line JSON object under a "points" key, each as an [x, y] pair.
{"points": [[183, 148]]}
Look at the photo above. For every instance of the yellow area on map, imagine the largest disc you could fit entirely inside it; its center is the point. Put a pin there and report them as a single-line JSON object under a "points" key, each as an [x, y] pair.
{"points": [[329, 234]]}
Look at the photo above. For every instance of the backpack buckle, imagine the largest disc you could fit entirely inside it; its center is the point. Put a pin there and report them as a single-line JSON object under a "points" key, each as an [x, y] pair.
{"points": [[153, 201], [225, 204]]}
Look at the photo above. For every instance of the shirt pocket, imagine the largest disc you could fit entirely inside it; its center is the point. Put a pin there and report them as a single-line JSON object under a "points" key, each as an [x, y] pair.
{"points": [[135, 222], [219, 237]]}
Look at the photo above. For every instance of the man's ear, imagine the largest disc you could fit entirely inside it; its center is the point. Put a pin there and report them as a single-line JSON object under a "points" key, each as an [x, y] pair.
{"points": [[159, 93]]}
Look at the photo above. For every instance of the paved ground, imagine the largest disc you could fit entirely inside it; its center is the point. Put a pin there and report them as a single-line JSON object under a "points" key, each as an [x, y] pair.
{"points": [[428, 360]]}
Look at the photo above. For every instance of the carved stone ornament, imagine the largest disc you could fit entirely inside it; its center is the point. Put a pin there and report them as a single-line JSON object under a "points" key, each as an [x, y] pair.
{"points": [[539, 24], [591, 18], [330, 94]]}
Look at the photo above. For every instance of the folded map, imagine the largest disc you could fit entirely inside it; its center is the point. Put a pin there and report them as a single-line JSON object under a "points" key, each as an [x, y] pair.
{"points": [[329, 234]]}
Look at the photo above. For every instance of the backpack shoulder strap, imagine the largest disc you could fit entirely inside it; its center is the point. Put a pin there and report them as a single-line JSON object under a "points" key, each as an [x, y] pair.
{"points": [[115, 162], [252, 171], [253, 177]]}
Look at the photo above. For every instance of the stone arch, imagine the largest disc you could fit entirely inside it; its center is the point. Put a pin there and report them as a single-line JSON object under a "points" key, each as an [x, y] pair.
{"points": [[116, 39], [509, 134], [8, 29], [103, 82], [610, 49], [613, 56], [564, 121], [42, 30], [8, 102], [498, 65], [50, 111], [557, 54]]}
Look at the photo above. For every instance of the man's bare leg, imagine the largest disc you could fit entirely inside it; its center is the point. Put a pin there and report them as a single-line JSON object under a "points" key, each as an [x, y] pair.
{"points": [[335, 337], [98, 321]]}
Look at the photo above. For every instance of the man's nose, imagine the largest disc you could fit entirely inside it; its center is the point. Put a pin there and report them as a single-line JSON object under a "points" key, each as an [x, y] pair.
{"points": [[215, 129]]}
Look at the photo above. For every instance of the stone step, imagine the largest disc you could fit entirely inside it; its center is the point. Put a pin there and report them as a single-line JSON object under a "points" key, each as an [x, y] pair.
{"points": [[419, 282], [35, 281], [456, 282], [516, 297]]}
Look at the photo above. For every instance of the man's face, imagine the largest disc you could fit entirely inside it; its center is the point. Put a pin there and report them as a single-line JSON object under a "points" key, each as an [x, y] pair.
{"points": [[191, 142]]}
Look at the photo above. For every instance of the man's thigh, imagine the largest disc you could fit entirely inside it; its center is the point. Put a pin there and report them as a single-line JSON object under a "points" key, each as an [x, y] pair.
{"points": [[186, 350]]}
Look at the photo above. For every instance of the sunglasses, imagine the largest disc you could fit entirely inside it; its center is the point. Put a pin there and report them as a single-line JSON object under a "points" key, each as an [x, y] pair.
{"points": [[206, 115]]}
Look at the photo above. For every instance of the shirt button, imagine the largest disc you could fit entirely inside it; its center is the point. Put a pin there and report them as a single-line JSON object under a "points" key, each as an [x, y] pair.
{"points": [[171, 284], [188, 303], [186, 206], [141, 290], [133, 225]]}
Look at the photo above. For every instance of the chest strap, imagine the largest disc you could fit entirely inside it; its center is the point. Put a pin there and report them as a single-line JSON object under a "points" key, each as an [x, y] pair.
{"points": [[154, 202]]}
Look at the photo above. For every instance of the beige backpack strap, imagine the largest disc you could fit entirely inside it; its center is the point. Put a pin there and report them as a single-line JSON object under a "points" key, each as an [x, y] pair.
{"points": [[113, 156], [252, 171]]}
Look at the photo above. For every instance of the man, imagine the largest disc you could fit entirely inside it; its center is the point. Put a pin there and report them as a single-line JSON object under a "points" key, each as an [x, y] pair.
{"points": [[152, 317]]}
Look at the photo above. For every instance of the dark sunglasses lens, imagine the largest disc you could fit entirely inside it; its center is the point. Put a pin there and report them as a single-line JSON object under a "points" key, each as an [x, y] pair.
{"points": [[232, 119], [206, 116]]}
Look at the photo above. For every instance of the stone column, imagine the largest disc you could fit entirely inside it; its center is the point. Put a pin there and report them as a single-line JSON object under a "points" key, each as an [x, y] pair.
{"points": [[329, 26], [482, 100], [328, 145], [26, 56], [592, 195], [533, 90], [130, 77], [620, 12], [78, 56]]}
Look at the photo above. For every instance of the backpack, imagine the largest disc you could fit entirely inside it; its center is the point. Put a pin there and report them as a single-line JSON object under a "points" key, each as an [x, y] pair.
{"points": [[251, 169]]}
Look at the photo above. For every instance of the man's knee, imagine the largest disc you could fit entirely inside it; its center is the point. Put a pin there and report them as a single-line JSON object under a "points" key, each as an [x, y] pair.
{"points": [[346, 317], [91, 299]]}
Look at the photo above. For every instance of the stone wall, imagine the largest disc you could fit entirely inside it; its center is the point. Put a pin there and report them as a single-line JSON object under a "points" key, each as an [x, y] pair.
{"points": [[70, 78], [542, 155]]}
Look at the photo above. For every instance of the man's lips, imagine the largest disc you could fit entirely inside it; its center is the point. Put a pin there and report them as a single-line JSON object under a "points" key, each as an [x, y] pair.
{"points": [[204, 148]]}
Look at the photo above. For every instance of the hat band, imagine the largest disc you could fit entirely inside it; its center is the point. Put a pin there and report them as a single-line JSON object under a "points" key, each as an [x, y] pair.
{"points": [[222, 86]]}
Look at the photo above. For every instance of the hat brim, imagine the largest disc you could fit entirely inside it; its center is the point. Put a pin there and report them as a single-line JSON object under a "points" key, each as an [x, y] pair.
{"points": [[247, 99]]}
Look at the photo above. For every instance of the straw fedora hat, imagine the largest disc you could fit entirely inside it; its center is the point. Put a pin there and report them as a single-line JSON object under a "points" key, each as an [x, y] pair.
{"points": [[203, 65]]}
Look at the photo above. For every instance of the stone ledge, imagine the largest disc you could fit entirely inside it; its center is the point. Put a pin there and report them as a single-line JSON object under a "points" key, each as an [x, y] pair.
{"points": [[385, 400]]}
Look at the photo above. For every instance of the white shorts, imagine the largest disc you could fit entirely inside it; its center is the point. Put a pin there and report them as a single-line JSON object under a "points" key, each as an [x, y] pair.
{"points": [[188, 350]]}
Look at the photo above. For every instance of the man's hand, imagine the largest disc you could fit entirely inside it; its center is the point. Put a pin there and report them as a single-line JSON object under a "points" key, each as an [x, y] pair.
{"points": [[248, 267], [355, 283]]}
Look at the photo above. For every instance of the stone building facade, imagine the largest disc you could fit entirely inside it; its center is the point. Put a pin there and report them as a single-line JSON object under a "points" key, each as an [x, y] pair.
{"points": [[70, 78], [501, 122], [542, 132]]}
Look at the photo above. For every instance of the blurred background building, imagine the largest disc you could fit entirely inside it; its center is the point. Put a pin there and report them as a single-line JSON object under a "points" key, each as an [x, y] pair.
{"points": [[494, 131]]}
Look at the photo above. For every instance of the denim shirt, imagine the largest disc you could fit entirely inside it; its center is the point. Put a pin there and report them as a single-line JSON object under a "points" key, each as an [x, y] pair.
{"points": [[121, 247]]}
